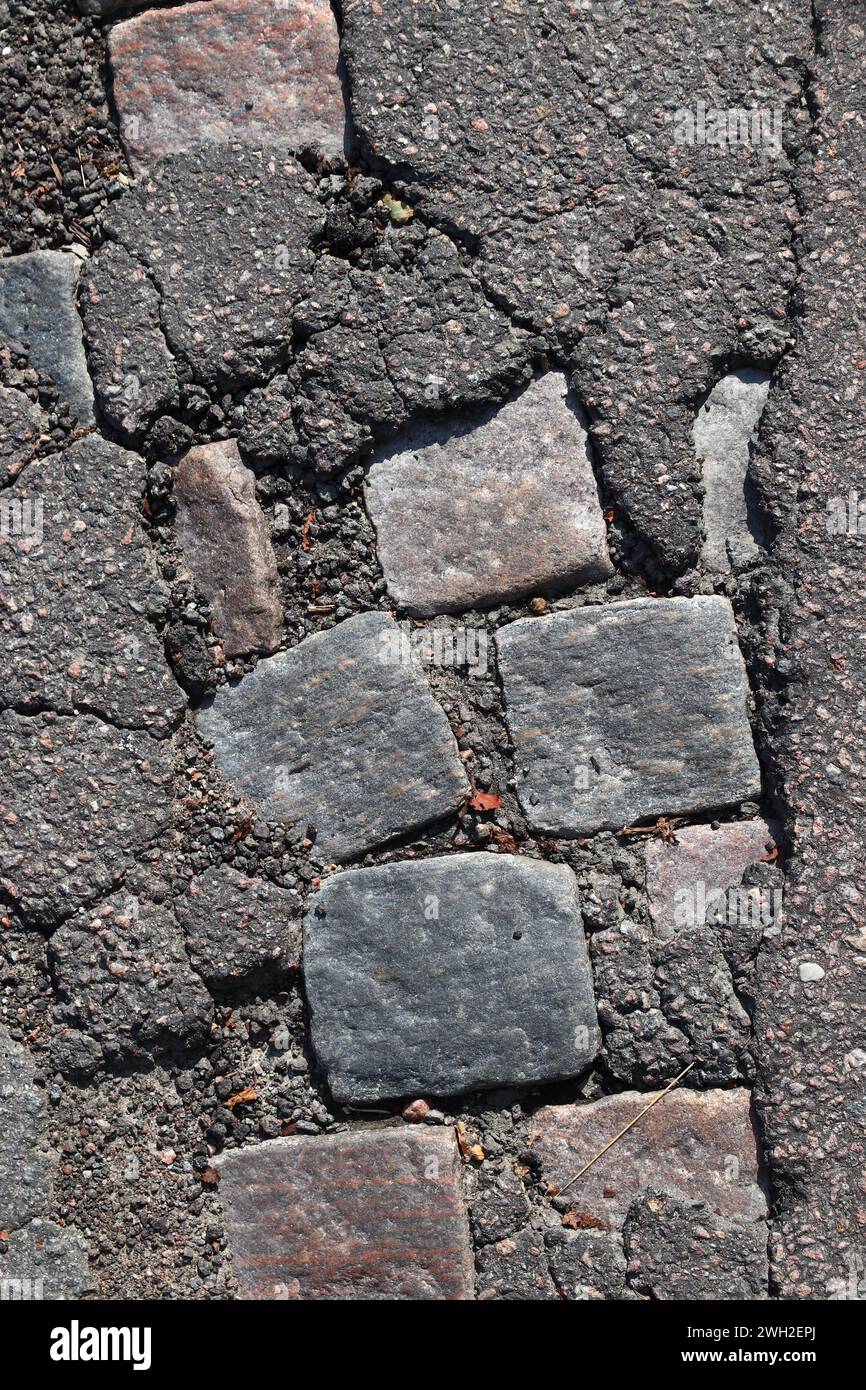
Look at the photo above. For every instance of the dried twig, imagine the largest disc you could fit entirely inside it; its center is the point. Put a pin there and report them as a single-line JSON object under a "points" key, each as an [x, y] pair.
{"points": [[615, 1140]]}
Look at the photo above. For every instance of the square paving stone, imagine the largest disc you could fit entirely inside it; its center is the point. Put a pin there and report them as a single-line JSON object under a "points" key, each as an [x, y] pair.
{"points": [[228, 70], [627, 710], [697, 1145], [438, 976], [342, 734], [478, 512], [371, 1215]]}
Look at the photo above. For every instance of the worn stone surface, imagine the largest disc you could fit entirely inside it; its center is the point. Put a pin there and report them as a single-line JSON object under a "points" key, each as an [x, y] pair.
{"points": [[369, 1215], [685, 876], [645, 259], [225, 236], [340, 733], [586, 1265], [80, 597], [79, 800], [227, 545], [697, 1146], [22, 424], [686, 1252], [723, 430], [442, 975], [515, 1270], [124, 979], [224, 71], [409, 333], [37, 311], [25, 1164], [628, 710], [45, 1261], [472, 512], [237, 928], [133, 368]]}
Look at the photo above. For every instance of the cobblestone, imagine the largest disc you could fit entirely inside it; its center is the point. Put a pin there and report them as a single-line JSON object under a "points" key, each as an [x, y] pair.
{"points": [[467, 516], [227, 546], [340, 734], [446, 975], [224, 71], [624, 711], [376, 1214]]}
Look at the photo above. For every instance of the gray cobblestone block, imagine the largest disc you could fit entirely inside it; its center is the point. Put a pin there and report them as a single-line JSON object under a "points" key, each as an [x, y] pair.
{"points": [[444, 975], [627, 710]]}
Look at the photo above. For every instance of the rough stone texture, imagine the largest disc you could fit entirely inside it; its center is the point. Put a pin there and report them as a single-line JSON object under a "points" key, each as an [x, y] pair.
{"points": [[37, 311], [515, 1270], [587, 1265], [369, 1215], [340, 733], [437, 976], [499, 1207], [225, 237], [474, 512], [25, 1164], [700, 1147], [78, 602], [22, 424], [723, 430], [811, 456], [684, 876], [228, 70], [48, 1262], [124, 978], [238, 928], [628, 710], [227, 545], [686, 1252], [133, 369], [547, 137], [79, 800], [665, 1003], [409, 334]]}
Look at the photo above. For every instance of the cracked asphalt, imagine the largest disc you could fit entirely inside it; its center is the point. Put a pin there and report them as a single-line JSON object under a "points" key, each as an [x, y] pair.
{"points": [[275, 874]]}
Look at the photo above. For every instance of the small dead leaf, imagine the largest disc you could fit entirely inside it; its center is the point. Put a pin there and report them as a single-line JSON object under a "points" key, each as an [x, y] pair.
{"points": [[506, 842], [485, 801], [305, 531], [210, 1177], [583, 1221], [249, 1093], [242, 830]]}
